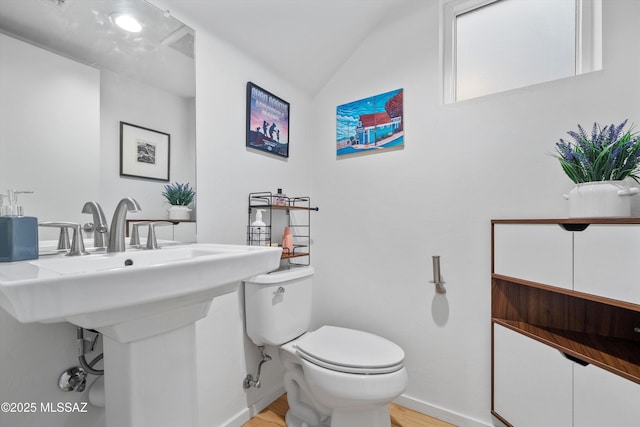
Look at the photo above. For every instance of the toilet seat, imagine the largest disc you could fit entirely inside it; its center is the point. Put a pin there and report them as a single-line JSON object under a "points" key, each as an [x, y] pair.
{"points": [[350, 351]]}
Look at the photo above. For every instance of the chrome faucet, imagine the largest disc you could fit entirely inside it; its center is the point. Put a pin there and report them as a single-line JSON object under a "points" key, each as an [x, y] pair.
{"points": [[99, 227], [118, 223]]}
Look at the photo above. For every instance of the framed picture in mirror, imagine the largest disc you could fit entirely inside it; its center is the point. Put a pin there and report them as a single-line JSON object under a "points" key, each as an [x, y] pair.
{"points": [[267, 121], [144, 152]]}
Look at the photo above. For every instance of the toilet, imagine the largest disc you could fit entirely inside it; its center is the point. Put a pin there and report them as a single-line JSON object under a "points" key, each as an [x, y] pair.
{"points": [[334, 377]]}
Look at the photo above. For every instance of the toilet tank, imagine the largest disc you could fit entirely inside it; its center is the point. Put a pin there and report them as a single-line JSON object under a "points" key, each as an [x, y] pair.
{"points": [[278, 305]]}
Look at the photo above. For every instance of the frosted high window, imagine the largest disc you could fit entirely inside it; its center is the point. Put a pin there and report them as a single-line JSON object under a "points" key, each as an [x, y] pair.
{"points": [[514, 43], [494, 46]]}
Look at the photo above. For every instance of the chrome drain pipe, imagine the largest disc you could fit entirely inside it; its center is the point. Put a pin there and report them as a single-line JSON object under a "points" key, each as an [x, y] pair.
{"points": [[75, 378]]}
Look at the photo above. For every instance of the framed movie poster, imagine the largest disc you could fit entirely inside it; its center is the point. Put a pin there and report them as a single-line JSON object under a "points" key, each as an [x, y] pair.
{"points": [[267, 121]]}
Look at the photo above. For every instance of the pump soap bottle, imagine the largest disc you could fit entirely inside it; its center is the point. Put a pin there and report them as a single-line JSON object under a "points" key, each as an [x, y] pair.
{"points": [[18, 233], [259, 233]]}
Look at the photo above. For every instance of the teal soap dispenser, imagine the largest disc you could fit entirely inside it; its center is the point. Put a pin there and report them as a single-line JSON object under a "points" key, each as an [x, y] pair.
{"points": [[18, 233]]}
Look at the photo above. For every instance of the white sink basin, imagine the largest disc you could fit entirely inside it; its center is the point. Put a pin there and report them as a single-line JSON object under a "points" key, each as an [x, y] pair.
{"points": [[145, 303], [99, 291]]}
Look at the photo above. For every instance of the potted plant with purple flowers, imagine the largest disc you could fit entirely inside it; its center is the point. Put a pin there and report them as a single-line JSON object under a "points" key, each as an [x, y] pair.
{"points": [[179, 196], [600, 164]]}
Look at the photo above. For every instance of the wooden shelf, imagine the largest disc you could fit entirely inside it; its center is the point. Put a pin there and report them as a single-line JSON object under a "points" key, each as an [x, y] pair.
{"points": [[590, 330], [266, 200], [301, 208], [582, 295], [284, 207], [294, 255]]}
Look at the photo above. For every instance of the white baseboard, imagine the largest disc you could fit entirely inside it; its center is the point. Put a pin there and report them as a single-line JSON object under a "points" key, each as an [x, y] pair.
{"points": [[406, 401], [246, 414], [266, 400], [237, 420], [439, 413]]}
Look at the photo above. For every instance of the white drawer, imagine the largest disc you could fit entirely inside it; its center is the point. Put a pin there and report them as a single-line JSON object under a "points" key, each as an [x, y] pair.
{"points": [[604, 399], [532, 382], [607, 262], [540, 253]]}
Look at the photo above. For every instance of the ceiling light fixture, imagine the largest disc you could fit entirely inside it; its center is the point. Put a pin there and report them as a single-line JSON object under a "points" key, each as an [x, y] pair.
{"points": [[128, 23]]}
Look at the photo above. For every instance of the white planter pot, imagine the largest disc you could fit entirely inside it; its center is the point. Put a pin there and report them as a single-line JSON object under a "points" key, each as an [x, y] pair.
{"points": [[601, 199], [179, 212]]}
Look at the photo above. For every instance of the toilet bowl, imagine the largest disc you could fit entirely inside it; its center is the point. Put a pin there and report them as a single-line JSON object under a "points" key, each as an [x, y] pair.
{"points": [[352, 373], [334, 376]]}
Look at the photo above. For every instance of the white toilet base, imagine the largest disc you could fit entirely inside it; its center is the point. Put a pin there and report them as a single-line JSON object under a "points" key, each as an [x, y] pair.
{"points": [[377, 416], [371, 417], [320, 397], [293, 421]]}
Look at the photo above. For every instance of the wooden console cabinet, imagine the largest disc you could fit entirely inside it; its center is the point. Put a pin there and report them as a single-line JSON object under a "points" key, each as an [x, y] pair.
{"points": [[565, 315]]}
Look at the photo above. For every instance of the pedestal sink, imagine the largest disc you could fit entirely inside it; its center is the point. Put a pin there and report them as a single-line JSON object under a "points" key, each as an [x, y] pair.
{"points": [[145, 303]]}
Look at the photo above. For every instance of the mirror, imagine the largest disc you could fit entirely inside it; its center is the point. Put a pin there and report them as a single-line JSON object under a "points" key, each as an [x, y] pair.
{"points": [[68, 77]]}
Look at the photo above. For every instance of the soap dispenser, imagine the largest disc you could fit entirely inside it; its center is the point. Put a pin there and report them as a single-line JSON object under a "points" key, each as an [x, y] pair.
{"points": [[18, 233], [259, 231]]}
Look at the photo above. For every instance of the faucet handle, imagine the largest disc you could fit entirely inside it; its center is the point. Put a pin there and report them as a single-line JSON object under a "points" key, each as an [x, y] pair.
{"points": [[63, 238], [64, 243], [77, 244], [152, 241], [135, 233]]}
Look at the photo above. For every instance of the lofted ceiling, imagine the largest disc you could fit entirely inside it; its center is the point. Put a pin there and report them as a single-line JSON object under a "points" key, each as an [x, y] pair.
{"points": [[304, 41]]}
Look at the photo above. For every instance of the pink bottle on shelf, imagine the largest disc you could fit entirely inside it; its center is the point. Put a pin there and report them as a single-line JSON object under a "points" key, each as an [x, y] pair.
{"points": [[287, 242]]}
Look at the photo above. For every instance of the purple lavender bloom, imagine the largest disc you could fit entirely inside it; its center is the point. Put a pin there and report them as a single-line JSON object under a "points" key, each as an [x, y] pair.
{"points": [[574, 135], [613, 133], [582, 159], [619, 130], [607, 153], [564, 149], [583, 134], [616, 153]]}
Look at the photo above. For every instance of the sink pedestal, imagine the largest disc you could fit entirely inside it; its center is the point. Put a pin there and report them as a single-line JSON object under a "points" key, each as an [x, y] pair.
{"points": [[150, 369], [152, 382]]}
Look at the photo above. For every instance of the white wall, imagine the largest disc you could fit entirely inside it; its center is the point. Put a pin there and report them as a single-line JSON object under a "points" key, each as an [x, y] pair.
{"points": [[49, 143], [227, 173], [49, 131], [383, 216], [127, 100]]}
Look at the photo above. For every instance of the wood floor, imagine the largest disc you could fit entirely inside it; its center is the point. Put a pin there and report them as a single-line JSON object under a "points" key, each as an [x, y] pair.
{"points": [[273, 416]]}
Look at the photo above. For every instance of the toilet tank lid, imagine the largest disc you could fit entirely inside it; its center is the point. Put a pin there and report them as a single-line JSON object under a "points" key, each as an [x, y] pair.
{"points": [[351, 348], [280, 276]]}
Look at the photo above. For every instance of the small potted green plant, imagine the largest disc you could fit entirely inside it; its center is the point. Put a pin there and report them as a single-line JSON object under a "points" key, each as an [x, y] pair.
{"points": [[179, 196], [599, 163]]}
